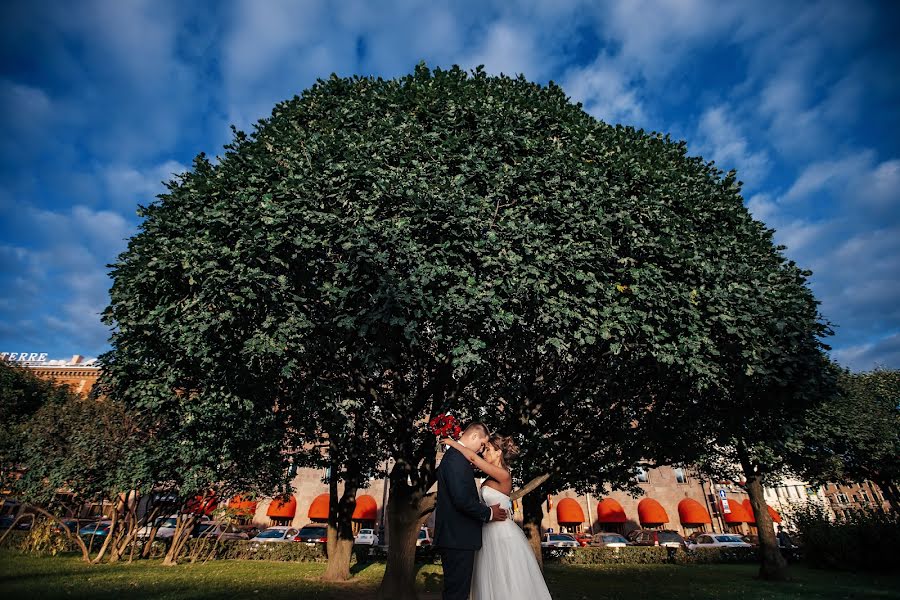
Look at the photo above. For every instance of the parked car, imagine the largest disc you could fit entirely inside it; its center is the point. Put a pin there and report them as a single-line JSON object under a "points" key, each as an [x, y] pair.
{"points": [[609, 540], [583, 539], [277, 534], [657, 537], [6, 522], [96, 529], [73, 525], [313, 534], [424, 538], [166, 527], [218, 531], [366, 537], [720, 540], [558, 540], [753, 540]]}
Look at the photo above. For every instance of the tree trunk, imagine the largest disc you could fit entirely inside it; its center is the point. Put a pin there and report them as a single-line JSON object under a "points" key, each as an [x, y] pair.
{"points": [[72, 535], [340, 530], [181, 536], [532, 515], [404, 520], [113, 530], [773, 566]]}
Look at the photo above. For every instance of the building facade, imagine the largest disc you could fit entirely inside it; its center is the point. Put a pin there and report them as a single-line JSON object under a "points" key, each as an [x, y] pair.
{"points": [[845, 498]]}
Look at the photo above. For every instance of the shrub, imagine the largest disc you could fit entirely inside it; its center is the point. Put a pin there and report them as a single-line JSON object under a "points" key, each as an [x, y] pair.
{"points": [[649, 555], [207, 549], [861, 540]]}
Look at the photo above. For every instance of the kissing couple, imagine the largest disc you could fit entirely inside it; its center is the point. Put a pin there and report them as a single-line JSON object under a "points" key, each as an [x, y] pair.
{"points": [[484, 553]]}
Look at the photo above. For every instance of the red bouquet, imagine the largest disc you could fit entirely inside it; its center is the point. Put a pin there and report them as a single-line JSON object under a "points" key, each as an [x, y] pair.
{"points": [[445, 426]]}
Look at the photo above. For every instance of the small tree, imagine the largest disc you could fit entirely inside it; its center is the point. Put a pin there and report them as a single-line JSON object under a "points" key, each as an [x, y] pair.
{"points": [[854, 435]]}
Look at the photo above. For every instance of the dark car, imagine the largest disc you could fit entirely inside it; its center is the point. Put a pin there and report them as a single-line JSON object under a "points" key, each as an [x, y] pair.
{"points": [[98, 529], [657, 537], [312, 534], [6, 521], [73, 526]]}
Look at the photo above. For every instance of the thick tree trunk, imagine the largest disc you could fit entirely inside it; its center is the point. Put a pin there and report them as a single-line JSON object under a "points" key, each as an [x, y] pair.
{"points": [[773, 565], [405, 508], [340, 531], [533, 514]]}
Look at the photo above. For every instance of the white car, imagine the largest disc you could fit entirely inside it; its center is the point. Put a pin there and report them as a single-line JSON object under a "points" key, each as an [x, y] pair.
{"points": [[366, 537], [609, 540], [279, 533], [559, 540], [219, 531], [719, 540], [424, 538], [166, 529]]}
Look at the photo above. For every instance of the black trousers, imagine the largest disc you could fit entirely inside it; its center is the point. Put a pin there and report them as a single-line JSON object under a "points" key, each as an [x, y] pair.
{"points": [[458, 565]]}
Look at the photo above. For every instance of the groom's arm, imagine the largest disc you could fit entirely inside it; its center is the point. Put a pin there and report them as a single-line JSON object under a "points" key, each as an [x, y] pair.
{"points": [[460, 487]]}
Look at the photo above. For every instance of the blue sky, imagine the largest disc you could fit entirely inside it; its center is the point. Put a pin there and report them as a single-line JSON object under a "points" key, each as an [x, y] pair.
{"points": [[102, 100]]}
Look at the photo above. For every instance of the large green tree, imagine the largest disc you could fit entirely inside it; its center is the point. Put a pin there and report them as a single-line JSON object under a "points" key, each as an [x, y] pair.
{"points": [[378, 252]]}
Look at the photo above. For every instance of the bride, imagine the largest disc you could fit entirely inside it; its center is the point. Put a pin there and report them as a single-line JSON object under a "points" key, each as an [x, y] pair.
{"points": [[505, 567]]}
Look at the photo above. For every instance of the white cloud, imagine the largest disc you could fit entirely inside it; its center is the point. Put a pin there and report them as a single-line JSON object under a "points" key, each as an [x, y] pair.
{"points": [[722, 139], [883, 351], [128, 186], [606, 92], [508, 48]]}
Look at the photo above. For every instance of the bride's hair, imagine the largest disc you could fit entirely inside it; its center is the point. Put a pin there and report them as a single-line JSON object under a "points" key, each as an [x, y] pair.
{"points": [[509, 450]]}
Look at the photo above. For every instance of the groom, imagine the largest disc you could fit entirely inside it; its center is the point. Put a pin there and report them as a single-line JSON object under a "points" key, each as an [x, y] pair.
{"points": [[459, 514]]}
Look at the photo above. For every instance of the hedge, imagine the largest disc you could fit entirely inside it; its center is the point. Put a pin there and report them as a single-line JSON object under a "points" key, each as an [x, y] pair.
{"points": [[643, 555]]}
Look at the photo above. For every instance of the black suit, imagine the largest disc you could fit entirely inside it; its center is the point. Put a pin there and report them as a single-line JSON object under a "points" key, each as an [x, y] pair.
{"points": [[459, 515]]}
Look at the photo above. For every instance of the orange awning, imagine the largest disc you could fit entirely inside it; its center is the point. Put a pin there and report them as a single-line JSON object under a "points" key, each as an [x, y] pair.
{"points": [[691, 512], [569, 511], [318, 510], [651, 512], [283, 509], [242, 507], [366, 509], [772, 512], [201, 505], [610, 511], [738, 513]]}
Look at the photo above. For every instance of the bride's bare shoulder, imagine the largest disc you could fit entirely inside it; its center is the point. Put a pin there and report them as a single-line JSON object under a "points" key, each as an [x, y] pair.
{"points": [[494, 484]]}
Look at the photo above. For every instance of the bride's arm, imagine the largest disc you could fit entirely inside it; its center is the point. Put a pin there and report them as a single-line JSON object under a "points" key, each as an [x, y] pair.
{"points": [[495, 472]]}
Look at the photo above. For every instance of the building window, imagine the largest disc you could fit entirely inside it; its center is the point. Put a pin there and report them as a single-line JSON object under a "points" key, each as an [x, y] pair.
{"points": [[680, 475], [842, 499], [864, 495], [793, 493], [642, 475]]}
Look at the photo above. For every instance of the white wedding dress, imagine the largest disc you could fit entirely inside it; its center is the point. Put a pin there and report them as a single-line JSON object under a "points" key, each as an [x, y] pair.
{"points": [[505, 567]]}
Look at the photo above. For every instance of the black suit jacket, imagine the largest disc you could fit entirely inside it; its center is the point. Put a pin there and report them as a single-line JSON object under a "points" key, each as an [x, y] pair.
{"points": [[459, 513]]}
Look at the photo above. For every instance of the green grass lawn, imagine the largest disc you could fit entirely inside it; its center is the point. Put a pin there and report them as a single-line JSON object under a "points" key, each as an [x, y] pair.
{"points": [[66, 577]]}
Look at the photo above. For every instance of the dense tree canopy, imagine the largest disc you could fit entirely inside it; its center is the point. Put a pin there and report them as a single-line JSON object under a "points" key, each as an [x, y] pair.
{"points": [[377, 252]]}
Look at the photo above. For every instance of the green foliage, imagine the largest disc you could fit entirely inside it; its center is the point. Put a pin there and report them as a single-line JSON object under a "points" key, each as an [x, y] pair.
{"points": [[643, 555], [855, 434], [862, 540], [208, 549], [21, 395]]}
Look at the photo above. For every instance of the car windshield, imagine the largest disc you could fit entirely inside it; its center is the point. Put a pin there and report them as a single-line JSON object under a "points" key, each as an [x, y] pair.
{"points": [[423, 534], [313, 531], [613, 538], [668, 536], [365, 532], [561, 538], [166, 523], [728, 538], [269, 534]]}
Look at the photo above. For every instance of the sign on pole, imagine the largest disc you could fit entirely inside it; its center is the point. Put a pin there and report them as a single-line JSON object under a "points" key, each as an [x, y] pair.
{"points": [[722, 494], [725, 508]]}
